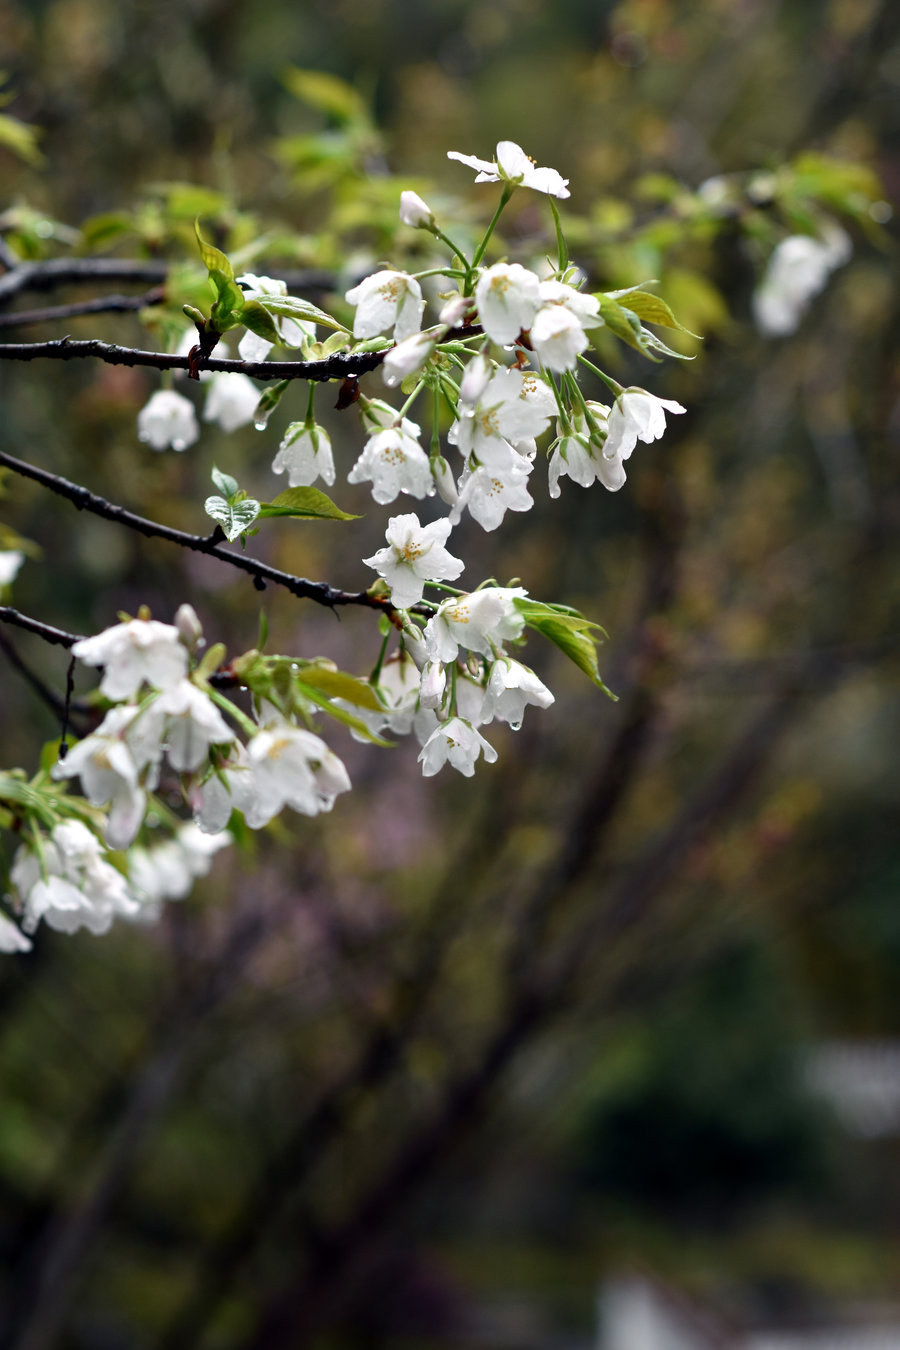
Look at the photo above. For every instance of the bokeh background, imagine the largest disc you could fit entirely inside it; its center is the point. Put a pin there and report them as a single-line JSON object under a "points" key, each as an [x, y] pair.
{"points": [[621, 1013]]}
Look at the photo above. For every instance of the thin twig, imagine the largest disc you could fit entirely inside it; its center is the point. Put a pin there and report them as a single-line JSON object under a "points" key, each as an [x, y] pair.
{"points": [[104, 304], [56, 636], [336, 367], [53, 700], [85, 500]]}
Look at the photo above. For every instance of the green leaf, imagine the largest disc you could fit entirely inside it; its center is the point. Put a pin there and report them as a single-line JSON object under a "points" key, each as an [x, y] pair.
{"points": [[227, 485], [101, 230], [650, 309], [327, 93], [21, 138], [322, 701], [234, 517], [292, 307], [268, 402], [228, 308], [215, 261], [260, 321], [338, 684], [306, 502], [570, 631], [621, 322]]}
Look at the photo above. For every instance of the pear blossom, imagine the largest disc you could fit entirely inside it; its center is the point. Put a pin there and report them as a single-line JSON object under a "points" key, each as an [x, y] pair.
{"points": [[188, 722], [12, 939], [387, 300], [444, 480], [110, 773], [132, 652], [393, 462], [305, 452], [10, 562], [415, 212], [636, 416], [510, 688], [557, 337], [458, 744], [71, 885], [168, 419], [798, 270], [291, 767], [487, 493], [513, 166], [415, 554], [581, 458], [409, 356], [168, 871], [230, 788], [498, 408], [231, 400], [479, 621], [508, 296], [190, 629]]}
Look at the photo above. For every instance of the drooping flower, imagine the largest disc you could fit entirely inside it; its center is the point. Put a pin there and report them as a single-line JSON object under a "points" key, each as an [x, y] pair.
{"points": [[508, 296], [457, 743], [110, 773], [187, 722], [168, 419], [305, 452], [512, 165], [71, 885], [231, 400], [798, 270], [479, 621], [415, 554], [487, 493], [636, 416], [291, 767], [141, 649], [498, 408], [393, 462], [579, 453], [510, 688], [557, 337], [387, 300], [168, 871]]}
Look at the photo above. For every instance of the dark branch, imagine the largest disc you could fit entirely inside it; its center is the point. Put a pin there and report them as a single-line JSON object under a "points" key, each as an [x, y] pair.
{"points": [[56, 636], [336, 367], [84, 500], [104, 304], [45, 276]]}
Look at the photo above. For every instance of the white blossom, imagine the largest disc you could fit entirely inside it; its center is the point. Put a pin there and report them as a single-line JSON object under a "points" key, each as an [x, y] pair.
{"points": [[798, 270], [110, 773], [479, 621], [458, 744], [168, 871], [415, 212], [141, 649], [229, 788], [557, 337], [636, 416], [409, 356], [231, 400], [294, 768], [488, 493], [76, 887], [512, 165], [12, 939], [510, 688], [10, 562], [508, 297], [433, 684], [499, 407], [291, 332], [415, 554], [579, 453], [393, 462], [305, 452], [387, 300], [455, 310], [168, 419], [188, 722]]}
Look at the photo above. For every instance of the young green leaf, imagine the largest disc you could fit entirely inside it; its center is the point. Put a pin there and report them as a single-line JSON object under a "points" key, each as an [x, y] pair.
{"points": [[227, 485], [234, 517], [570, 631], [306, 502]]}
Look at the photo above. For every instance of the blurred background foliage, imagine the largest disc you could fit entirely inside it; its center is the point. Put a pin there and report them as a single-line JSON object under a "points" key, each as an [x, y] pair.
{"points": [[421, 1072]]}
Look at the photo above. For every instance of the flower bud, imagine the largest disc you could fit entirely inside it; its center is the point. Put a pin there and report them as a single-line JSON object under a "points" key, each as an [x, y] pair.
{"points": [[190, 630], [415, 212]]}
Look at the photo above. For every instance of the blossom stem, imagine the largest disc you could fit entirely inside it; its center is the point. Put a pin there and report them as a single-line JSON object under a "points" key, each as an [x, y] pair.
{"points": [[246, 724], [607, 379], [376, 669], [456, 272], [452, 708], [411, 400], [575, 390], [310, 407], [439, 234], [508, 191]]}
